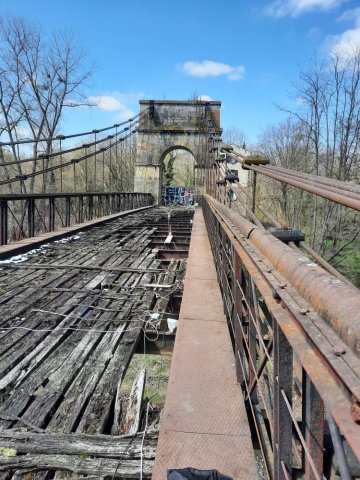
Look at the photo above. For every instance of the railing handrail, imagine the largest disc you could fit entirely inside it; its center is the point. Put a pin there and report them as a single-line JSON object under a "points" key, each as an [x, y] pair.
{"points": [[272, 323], [25, 196]]}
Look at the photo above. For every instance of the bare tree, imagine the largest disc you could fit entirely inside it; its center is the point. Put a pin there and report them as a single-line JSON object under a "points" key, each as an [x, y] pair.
{"points": [[234, 136], [323, 138], [286, 146], [40, 75]]}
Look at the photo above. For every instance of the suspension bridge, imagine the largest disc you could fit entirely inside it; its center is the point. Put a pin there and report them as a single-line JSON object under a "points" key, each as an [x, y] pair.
{"points": [[265, 372]]}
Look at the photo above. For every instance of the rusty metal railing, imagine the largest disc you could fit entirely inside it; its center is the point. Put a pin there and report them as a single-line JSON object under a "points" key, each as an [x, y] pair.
{"points": [[25, 216], [297, 347]]}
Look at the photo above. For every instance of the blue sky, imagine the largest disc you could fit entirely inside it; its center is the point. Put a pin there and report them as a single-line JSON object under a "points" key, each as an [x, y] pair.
{"points": [[246, 54]]}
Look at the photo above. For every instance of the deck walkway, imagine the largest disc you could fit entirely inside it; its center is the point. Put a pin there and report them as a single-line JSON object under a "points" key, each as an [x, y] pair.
{"points": [[204, 423]]}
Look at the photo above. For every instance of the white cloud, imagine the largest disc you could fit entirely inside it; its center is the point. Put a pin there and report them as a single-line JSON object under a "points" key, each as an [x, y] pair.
{"points": [[106, 102], [117, 102], [207, 68], [347, 44], [204, 98], [294, 8]]}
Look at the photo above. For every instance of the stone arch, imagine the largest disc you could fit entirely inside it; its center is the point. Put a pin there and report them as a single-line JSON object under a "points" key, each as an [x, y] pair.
{"points": [[181, 164], [166, 125], [175, 147]]}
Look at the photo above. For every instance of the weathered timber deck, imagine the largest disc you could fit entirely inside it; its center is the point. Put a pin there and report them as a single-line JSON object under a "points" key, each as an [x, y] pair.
{"points": [[204, 422], [70, 318], [7, 251]]}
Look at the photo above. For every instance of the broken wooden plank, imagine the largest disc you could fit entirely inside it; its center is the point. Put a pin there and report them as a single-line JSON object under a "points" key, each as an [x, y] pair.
{"points": [[131, 422], [79, 444], [80, 267], [86, 466]]}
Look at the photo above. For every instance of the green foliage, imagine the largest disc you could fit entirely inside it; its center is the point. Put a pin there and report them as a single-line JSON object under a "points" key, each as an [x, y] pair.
{"points": [[348, 262], [168, 169]]}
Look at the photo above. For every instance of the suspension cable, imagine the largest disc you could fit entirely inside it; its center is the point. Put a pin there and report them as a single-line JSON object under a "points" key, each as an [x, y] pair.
{"points": [[73, 135], [74, 149], [70, 162]]}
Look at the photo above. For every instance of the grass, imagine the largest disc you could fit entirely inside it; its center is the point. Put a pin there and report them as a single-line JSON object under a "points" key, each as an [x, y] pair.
{"points": [[158, 369], [348, 262]]}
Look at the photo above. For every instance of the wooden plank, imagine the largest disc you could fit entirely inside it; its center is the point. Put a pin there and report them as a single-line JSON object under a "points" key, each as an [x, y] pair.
{"points": [[131, 422], [34, 358], [69, 412], [46, 399], [86, 466], [168, 239], [78, 444]]}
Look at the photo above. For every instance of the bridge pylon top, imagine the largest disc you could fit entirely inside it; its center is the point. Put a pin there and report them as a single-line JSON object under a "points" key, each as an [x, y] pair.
{"points": [[183, 116]]}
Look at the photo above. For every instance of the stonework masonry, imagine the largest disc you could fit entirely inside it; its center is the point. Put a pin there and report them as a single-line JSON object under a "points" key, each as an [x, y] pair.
{"points": [[167, 125]]}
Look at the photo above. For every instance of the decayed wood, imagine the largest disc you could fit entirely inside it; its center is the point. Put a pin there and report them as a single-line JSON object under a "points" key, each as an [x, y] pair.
{"points": [[19, 397], [42, 350], [70, 410], [96, 414], [18, 342], [126, 446], [15, 418], [66, 380], [133, 412], [79, 267], [86, 466], [59, 381]]}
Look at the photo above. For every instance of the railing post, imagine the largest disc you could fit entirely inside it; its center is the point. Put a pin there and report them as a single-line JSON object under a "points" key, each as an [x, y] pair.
{"points": [[51, 214], [91, 207], [252, 318], [100, 206], [313, 427], [31, 217], [237, 318], [67, 211], [81, 209], [3, 222], [254, 192], [282, 384]]}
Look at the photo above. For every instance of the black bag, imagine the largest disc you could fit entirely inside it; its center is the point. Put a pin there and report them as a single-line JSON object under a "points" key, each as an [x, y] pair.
{"points": [[195, 474]]}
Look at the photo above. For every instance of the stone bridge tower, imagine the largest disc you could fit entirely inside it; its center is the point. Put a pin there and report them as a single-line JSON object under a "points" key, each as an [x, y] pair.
{"points": [[170, 125]]}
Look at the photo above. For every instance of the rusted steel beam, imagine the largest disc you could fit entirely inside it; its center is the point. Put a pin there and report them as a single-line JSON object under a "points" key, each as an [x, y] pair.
{"points": [[331, 182], [303, 245], [340, 198], [324, 293], [316, 182], [326, 265], [333, 386]]}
